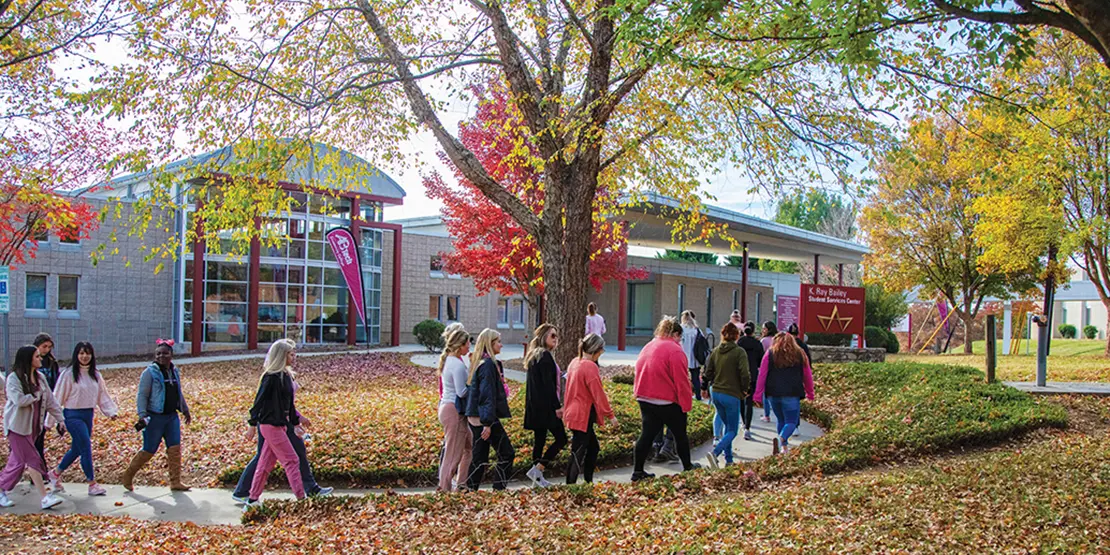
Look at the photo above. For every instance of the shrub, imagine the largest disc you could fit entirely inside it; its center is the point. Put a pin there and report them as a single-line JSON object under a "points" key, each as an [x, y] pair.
{"points": [[429, 333], [1090, 332], [875, 337], [829, 339], [1067, 331], [892, 344], [626, 378]]}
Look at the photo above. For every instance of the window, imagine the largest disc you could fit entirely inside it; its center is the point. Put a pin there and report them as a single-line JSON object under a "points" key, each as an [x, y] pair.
{"points": [[518, 312], [452, 309], [70, 237], [641, 300], [681, 298], [433, 307], [503, 312], [443, 308], [736, 299], [35, 292], [435, 267], [41, 235], [67, 292], [759, 307], [709, 307]]}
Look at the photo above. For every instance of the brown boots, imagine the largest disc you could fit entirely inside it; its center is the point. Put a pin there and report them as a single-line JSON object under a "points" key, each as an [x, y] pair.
{"points": [[173, 465], [137, 462]]}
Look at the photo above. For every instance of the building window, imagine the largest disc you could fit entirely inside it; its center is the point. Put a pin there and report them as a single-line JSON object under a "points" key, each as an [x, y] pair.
{"points": [[641, 301], [709, 307], [736, 299], [518, 312], [41, 235], [503, 312], [435, 267], [758, 307], [70, 237], [444, 308], [35, 292], [67, 292], [681, 298]]}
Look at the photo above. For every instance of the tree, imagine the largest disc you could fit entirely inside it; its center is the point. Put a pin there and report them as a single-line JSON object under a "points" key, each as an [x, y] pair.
{"points": [[490, 247], [616, 92], [921, 226], [1051, 199], [813, 210], [883, 308], [688, 256]]}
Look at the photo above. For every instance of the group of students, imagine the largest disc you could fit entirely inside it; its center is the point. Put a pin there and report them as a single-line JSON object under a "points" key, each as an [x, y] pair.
{"points": [[738, 374]]}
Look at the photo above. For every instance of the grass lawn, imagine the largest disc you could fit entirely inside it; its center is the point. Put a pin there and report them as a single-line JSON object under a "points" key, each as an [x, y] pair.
{"points": [[1079, 366], [922, 493], [1059, 347], [374, 423]]}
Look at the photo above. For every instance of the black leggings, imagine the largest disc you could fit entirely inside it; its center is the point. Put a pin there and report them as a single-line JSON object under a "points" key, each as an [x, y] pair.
{"points": [[747, 409], [583, 453], [653, 418], [540, 438], [500, 442]]}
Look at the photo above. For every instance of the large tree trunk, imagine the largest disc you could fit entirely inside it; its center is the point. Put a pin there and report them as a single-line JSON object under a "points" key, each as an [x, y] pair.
{"points": [[967, 320], [1106, 351]]}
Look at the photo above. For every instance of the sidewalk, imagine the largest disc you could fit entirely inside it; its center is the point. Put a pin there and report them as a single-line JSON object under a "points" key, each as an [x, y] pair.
{"points": [[215, 506], [1063, 388]]}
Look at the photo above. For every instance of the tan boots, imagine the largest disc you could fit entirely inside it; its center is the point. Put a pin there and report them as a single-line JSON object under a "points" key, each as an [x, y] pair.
{"points": [[173, 465], [137, 462]]}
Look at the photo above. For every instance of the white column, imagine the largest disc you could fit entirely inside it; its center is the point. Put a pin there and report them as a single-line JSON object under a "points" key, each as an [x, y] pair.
{"points": [[1007, 317]]}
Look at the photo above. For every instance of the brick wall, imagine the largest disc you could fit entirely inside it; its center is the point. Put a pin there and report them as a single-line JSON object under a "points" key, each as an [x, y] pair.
{"points": [[122, 305]]}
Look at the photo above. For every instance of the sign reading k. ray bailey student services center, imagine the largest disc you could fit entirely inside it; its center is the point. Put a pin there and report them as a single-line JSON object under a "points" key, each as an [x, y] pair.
{"points": [[832, 309]]}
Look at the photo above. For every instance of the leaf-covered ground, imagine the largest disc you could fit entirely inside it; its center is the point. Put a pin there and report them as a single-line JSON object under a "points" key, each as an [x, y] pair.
{"points": [[1063, 366], [1049, 492], [374, 423]]}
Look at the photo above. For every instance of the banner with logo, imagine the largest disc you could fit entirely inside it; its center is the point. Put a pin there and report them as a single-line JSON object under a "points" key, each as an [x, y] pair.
{"points": [[832, 309], [942, 311], [786, 312], [345, 249]]}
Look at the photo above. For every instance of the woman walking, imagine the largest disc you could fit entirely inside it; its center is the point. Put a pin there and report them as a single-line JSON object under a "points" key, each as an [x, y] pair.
{"points": [[785, 377], [586, 405], [754, 350], [273, 412], [543, 404], [458, 442], [44, 344], [296, 436], [662, 384], [726, 373], [161, 396], [28, 401], [486, 404], [690, 334], [79, 391], [594, 322], [766, 338]]}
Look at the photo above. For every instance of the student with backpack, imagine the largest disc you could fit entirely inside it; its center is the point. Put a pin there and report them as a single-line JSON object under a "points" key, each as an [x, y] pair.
{"points": [[754, 350], [696, 347]]}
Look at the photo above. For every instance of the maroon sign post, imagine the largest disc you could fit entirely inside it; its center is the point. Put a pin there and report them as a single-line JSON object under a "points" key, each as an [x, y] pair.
{"points": [[345, 249], [832, 309]]}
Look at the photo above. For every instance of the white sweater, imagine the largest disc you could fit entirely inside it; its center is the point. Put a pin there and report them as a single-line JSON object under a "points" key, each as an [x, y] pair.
{"points": [[689, 337], [455, 371]]}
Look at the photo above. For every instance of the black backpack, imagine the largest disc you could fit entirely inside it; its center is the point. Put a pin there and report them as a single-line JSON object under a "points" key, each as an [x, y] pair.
{"points": [[701, 349]]}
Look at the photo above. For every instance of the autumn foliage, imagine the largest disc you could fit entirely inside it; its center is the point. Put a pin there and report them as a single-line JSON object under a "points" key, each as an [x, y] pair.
{"points": [[490, 247]]}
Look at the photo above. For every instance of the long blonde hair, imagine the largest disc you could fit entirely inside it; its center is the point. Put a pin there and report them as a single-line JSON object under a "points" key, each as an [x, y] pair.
{"points": [[454, 341], [538, 345], [482, 347], [276, 357]]}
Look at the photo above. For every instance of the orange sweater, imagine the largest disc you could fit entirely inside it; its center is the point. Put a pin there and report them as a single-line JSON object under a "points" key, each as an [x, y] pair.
{"points": [[584, 392]]}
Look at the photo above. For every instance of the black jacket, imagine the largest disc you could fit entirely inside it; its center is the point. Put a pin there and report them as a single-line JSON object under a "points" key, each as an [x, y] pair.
{"points": [[485, 396], [754, 349], [542, 394], [788, 381], [50, 369], [805, 348], [273, 404]]}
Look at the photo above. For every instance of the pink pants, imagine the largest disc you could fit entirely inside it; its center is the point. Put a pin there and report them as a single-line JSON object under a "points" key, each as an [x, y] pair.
{"points": [[23, 455], [457, 448], [276, 449]]}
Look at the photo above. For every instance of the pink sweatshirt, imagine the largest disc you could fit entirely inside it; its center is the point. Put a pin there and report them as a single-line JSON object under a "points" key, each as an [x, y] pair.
{"points": [[807, 378], [84, 394], [661, 374], [595, 324]]}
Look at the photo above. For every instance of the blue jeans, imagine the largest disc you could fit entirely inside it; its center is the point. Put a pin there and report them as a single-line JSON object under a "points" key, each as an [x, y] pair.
{"points": [[243, 488], [728, 408], [718, 424], [161, 426], [79, 423], [788, 414]]}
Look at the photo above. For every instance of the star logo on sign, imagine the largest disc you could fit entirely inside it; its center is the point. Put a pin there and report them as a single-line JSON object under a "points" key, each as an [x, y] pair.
{"points": [[835, 316]]}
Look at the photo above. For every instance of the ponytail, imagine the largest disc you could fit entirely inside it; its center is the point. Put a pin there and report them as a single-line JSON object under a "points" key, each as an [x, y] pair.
{"points": [[591, 344]]}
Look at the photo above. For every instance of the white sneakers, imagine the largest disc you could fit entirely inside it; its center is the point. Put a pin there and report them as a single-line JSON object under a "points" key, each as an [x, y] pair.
{"points": [[50, 501], [55, 481], [251, 504], [4, 501]]}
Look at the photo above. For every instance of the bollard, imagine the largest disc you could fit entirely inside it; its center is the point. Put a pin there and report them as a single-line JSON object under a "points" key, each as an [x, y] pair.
{"points": [[992, 348]]}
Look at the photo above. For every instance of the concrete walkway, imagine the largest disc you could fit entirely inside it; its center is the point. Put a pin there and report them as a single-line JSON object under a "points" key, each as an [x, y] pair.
{"points": [[1063, 388], [215, 506]]}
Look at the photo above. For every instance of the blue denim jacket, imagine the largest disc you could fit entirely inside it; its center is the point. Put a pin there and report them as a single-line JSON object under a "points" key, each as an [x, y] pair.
{"points": [[152, 391]]}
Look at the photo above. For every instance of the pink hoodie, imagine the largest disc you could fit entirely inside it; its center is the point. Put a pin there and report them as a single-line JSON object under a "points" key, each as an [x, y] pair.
{"points": [[661, 374]]}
